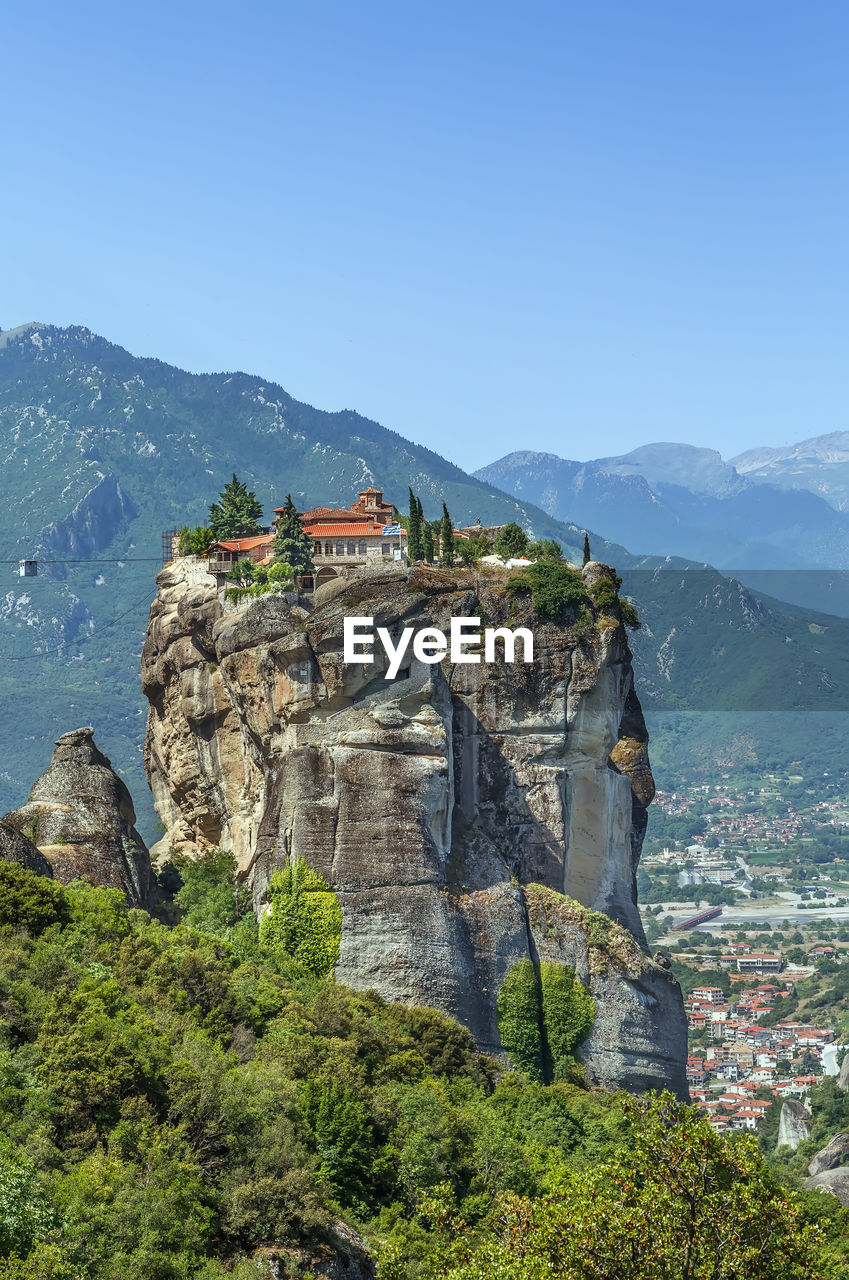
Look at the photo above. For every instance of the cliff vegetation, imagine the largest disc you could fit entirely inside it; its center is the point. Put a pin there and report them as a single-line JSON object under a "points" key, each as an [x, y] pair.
{"points": [[183, 1102]]}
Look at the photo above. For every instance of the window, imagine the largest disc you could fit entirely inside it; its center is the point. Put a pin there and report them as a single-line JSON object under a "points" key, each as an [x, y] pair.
{"points": [[384, 548], [351, 550], [340, 548], [363, 547], [328, 548], [317, 549]]}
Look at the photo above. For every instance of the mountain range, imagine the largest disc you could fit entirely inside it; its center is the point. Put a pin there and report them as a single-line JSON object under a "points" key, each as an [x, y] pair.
{"points": [[103, 451], [770, 509]]}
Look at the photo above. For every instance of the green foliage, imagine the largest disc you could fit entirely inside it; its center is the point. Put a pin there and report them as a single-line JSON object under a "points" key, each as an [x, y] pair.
{"points": [[257, 580], [446, 537], [26, 1214], [213, 901], [557, 590], [519, 1015], [29, 902], [414, 530], [428, 549], [470, 550], [305, 920], [195, 542], [544, 1014], [292, 546], [174, 1102], [236, 513], [678, 1201], [568, 1014], [587, 554], [545, 549], [511, 541]]}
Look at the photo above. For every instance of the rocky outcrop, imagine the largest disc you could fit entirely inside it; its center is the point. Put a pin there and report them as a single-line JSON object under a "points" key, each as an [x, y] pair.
{"points": [[15, 847], [794, 1125], [467, 816], [831, 1156], [834, 1181], [81, 818], [93, 522], [843, 1076]]}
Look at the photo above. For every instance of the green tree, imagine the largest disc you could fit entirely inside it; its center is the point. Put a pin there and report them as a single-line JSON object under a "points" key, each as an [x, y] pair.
{"points": [[427, 540], [446, 537], [29, 901], [680, 1203], [305, 920], [25, 1212], [195, 542], [414, 529], [512, 541], [292, 545], [236, 513], [519, 1016], [587, 555]]}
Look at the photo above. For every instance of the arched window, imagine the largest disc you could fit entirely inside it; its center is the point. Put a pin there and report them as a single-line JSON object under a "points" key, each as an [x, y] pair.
{"points": [[363, 547], [351, 551], [340, 548], [328, 548], [317, 549]]}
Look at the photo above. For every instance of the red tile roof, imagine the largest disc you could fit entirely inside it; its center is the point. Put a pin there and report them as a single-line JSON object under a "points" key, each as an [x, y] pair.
{"points": [[244, 544], [332, 513], [331, 531]]}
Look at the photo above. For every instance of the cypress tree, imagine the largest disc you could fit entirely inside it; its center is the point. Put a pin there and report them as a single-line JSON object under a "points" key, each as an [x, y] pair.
{"points": [[427, 542], [446, 537], [292, 545], [414, 530], [236, 513], [587, 556]]}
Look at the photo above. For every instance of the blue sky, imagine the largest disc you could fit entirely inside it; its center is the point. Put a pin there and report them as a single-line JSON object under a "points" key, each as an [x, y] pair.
{"points": [[567, 227]]}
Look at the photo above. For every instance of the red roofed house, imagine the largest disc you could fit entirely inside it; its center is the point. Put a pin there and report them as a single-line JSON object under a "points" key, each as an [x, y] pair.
{"points": [[344, 538]]}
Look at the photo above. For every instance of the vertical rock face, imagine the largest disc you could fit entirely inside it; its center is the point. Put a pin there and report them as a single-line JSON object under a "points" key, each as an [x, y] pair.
{"points": [[794, 1125], [80, 817], [434, 803]]}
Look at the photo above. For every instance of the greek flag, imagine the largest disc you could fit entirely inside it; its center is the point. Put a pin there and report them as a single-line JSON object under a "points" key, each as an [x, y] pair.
{"points": [[391, 530]]}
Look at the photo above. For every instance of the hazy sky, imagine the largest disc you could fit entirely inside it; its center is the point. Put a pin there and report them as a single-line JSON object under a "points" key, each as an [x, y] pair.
{"points": [[572, 227]]}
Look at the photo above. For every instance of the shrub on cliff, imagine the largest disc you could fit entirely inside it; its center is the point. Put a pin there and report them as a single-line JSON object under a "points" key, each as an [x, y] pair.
{"points": [[544, 1013], [305, 920], [557, 590]]}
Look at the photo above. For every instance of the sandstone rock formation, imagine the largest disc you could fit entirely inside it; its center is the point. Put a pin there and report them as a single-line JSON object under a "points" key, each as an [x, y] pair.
{"points": [[81, 817], [15, 847], [434, 802], [832, 1155], [794, 1125]]}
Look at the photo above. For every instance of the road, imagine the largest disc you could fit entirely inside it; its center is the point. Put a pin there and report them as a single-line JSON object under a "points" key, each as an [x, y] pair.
{"points": [[829, 1059]]}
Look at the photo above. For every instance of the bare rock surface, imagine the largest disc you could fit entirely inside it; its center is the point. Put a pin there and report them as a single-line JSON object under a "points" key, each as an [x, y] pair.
{"points": [[832, 1155], [794, 1124], [433, 802], [843, 1077], [834, 1181], [81, 817], [15, 847]]}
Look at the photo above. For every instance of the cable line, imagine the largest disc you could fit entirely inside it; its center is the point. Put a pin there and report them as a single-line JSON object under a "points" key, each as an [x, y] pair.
{"points": [[46, 653]]}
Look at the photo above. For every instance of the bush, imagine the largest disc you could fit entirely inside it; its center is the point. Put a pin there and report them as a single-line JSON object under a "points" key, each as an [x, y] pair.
{"points": [[29, 901], [511, 541], [305, 920], [195, 542], [557, 590]]}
